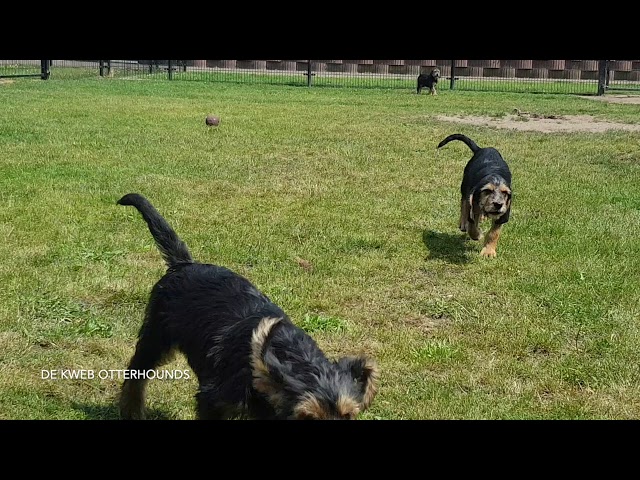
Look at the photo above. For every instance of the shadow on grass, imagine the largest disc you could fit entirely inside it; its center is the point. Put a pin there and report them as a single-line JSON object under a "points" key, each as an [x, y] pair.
{"points": [[110, 412], [452, 248]]}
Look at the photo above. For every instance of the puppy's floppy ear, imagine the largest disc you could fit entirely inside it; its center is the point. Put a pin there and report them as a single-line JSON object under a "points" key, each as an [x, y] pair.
{"points": [[504, 218], [265, 366], [365, 373]]}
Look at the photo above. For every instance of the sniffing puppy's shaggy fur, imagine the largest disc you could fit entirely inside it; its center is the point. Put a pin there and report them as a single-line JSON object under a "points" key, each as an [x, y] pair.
{"points": [[429, 80], [250, 359], [486, 193]]}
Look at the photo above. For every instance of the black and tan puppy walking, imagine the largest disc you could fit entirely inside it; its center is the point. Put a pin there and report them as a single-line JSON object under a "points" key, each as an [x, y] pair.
{"points": [[250, 359], [486, 193]]}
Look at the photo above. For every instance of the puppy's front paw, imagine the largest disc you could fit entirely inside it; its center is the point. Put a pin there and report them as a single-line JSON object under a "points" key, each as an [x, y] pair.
{"points": [[475, 235], [488, 252]]}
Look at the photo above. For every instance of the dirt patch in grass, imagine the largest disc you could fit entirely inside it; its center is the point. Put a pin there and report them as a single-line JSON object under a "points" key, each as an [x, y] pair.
{"points": [[626, 99], [543, 123], [9, 339], [426, 325]]}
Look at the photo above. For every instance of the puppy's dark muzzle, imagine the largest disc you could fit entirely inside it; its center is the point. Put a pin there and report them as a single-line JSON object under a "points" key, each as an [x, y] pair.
{"points": [[496, 210]]}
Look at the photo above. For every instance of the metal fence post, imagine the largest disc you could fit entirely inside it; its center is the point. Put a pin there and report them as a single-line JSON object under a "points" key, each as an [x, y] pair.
{"points": [[170, 69], [602, 76], [45, 71], [308, 73], [452, 82], [102, 68]]}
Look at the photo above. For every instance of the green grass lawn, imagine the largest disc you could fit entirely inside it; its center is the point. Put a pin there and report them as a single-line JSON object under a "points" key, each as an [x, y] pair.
{"points": [[349, 181]]}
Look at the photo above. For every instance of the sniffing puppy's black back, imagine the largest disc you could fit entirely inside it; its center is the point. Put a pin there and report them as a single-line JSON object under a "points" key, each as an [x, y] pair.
{"points": [[463, 138], [173, 250]]}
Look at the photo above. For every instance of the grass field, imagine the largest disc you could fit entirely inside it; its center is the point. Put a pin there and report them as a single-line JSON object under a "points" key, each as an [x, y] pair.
{"points": [[349, 181]]}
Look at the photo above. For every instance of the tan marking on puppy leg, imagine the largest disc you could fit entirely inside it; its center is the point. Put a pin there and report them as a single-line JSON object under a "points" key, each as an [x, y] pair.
{"points": [[491, 242], [464, 214], [474, 232], [476, 215]]}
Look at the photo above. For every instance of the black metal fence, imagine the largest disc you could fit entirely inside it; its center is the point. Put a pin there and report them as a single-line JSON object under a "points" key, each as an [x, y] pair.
{"points": [[622, 75], [538, 76], [25, 68]]}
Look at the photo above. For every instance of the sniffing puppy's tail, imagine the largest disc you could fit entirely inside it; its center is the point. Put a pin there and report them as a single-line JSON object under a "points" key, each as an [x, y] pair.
{"points": [[173, 250], [463, 138]]}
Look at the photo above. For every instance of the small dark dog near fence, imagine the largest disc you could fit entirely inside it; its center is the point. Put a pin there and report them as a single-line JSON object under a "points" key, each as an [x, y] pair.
{"points": [[429, 80]]}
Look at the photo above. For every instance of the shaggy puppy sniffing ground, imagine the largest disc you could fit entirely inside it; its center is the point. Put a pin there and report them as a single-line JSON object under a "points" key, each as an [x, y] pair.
{"points": [[250, 359]]}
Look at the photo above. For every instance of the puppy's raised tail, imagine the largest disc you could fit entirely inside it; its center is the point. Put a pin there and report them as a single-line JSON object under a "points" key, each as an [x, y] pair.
{"points": [[173, 250], [463, 138]]}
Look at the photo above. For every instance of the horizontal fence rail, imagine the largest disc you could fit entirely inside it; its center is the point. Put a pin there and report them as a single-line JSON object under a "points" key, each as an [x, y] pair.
{"points": [[539, 76], [25, 68]]}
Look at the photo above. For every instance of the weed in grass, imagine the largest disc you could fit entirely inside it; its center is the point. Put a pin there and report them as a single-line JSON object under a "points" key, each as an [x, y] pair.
{"points": [[312, 323], [435, 351]]}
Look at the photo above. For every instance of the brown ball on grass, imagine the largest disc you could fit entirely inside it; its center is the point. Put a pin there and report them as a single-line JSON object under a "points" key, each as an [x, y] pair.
{"points": [[212, 120]]}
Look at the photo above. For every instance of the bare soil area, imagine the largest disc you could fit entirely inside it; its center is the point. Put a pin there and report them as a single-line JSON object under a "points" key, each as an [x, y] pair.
{"points": [[627, 99], [543, 123]]}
